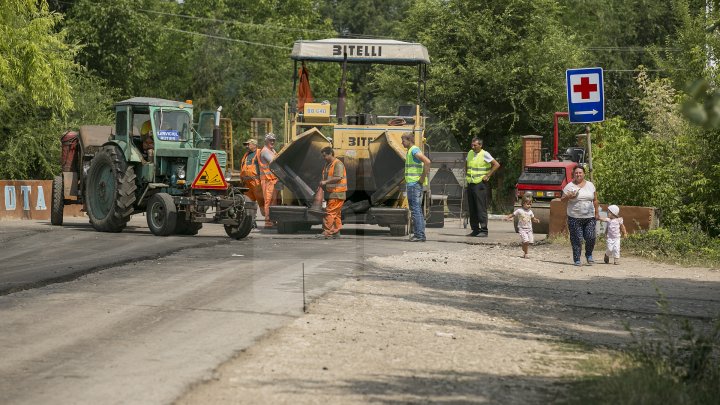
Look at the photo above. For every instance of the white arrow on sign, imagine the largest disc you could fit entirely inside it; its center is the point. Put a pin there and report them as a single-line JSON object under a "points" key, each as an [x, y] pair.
{"points": [[593, 112]]}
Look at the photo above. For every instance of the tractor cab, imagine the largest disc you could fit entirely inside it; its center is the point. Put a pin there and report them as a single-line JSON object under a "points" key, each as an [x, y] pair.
{"points": [[178, 152]]}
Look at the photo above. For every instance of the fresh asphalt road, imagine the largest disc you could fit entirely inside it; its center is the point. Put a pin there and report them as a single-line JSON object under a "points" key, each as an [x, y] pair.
{"points": [[88, 317]]}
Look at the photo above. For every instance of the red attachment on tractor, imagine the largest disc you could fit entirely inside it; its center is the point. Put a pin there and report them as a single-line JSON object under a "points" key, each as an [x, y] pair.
{"points": [[69, 148]]}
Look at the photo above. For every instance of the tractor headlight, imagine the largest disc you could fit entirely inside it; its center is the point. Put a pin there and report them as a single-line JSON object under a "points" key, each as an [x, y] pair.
{"points": [[228, 175], [180, 172]]}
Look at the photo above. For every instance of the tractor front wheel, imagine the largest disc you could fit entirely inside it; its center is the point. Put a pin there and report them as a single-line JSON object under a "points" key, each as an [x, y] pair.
{"points": [[110, 190], [58, 201], [161, 214], [241, 231]]}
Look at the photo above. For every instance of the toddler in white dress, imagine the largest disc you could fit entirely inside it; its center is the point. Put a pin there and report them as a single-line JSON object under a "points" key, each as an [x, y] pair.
{"points": [[613, 232]]}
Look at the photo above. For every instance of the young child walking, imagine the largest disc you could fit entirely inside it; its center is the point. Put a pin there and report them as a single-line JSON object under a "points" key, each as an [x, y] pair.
{"points": [[614, 230], [525, 219]]}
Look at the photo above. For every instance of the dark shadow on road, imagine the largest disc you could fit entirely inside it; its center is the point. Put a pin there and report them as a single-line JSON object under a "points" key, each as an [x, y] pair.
{"points": [[444, 387]]}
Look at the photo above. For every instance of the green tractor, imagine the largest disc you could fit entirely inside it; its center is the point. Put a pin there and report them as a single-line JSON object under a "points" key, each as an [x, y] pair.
{"points": [[153, 162]]}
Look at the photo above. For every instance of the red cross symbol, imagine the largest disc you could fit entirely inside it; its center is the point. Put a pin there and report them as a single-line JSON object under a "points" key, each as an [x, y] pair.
{"points": [[585, 88]]}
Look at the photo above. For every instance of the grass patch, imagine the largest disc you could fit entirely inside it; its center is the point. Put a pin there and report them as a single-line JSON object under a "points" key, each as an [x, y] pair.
{"points": [[626, 381], [679, 363], [684, 246], [688, 246]]}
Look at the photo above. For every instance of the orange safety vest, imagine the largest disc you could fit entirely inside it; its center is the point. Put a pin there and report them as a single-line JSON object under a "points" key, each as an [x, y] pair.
{"points": [[248, 172], [265, 172], [341, 185]]}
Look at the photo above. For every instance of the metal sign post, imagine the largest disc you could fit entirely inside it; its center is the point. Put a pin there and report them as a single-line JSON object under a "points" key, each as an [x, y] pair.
{"points": [[589, 151]]}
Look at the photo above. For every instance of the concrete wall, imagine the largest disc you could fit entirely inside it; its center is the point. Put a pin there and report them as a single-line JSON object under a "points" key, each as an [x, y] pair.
{"points": [[30, 199], [635, 218]]}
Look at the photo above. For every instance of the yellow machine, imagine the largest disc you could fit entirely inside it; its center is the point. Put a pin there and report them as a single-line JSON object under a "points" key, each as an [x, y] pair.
{"points": [[369, 145]]}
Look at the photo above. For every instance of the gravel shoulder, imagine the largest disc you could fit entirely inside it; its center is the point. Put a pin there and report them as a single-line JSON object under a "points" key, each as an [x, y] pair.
{"points": [[472, 324]]}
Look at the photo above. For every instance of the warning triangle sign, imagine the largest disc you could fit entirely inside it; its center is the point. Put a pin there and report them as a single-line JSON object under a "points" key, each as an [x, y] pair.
{"points": [[211, 176]]}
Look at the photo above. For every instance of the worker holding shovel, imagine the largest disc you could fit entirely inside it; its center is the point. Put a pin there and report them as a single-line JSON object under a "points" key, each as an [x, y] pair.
{"points": [[334, 182]]}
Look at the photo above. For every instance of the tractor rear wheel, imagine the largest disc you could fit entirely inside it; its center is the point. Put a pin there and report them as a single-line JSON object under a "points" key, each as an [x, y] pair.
{"points": [[58, 201], [241, 231], [161, 214], [110, 190]]}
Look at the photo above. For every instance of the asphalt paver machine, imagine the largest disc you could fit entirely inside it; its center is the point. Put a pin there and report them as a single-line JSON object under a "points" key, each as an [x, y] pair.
{"points": [[369, 145]]}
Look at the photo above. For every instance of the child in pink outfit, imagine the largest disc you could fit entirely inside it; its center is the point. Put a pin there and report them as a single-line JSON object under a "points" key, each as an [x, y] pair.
{"points": [[525, 219], [613, 232]]}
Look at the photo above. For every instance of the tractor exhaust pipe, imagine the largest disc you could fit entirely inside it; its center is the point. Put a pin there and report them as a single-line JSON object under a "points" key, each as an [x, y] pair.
{"points": [[217, 136]]}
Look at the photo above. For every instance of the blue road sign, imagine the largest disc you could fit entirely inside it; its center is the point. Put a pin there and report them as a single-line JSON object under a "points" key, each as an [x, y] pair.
{"points": [[585, 95]]}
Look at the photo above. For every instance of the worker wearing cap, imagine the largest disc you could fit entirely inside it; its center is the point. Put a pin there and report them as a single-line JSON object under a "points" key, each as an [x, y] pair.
{"points": [[148, 144], [480, 165], [250, 172], [334, 181], [267, 178]]}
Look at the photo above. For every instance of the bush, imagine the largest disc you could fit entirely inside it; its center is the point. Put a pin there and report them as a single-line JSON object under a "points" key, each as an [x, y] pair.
{"points": [[686, 245]]}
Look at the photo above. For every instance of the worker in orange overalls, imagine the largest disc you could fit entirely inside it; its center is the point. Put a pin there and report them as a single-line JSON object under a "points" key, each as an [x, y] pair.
{"points": [[267, 178], [334, 181], [250, 172]]}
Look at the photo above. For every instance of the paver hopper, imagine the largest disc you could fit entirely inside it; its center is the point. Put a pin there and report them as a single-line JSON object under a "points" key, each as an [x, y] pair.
{"points": [[375, 192]]}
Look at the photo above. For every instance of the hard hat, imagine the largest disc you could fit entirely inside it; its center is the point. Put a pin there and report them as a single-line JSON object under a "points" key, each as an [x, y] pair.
{"points": [[146, 128], [614, 209], [269, 136]]}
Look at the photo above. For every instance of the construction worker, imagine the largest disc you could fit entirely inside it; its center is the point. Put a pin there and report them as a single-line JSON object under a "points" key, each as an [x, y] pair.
{"points": [[480, 165], [148, 143], [417, 168], [334, 182], [250, 172], [267, 178]]}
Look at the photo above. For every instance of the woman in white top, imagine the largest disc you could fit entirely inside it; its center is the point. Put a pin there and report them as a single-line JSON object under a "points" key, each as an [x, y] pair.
{"points": [[582, 212]]}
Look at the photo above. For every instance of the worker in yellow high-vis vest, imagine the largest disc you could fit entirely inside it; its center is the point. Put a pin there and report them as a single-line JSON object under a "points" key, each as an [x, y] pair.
{"points": [[417, 169], [480, 166]]}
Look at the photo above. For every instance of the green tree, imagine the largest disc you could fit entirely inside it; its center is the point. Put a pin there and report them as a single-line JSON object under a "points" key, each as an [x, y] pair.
{"points": [[34, 58], [36, 67], [366, 19], [497, 66], [232, 53], [118, 42], [497, 72]]}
